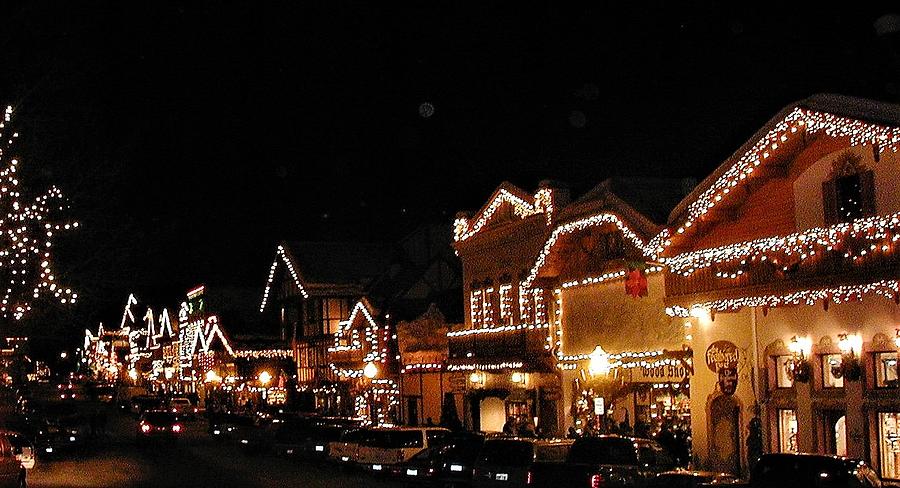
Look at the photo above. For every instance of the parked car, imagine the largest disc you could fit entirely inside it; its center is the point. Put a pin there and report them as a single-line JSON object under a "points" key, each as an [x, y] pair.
{"points": [[608, 461], [143, 403], [816, 470], [690, 479], [449, 465], [508, 461], [387, 446], [22, 448], [229, 426], [346, 449], [183, 407], [12, 473], [159, 424]]}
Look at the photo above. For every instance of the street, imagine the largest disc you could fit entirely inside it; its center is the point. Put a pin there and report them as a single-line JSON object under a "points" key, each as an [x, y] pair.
{"points": [[195, 460]]}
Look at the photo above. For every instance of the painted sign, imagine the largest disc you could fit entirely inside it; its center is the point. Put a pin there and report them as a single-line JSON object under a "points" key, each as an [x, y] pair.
{"points": [[664, 373], [728, 380], [599, 406], [721, 354]]}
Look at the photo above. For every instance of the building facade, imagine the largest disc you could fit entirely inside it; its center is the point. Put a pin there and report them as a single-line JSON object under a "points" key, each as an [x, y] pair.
{"points": [[553, 286], [782, 263]]}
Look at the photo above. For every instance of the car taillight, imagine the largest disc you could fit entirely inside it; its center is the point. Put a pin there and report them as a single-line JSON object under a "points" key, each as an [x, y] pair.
{"points": [[528, 478], [597, 481], [176, 428], [145, 427]]}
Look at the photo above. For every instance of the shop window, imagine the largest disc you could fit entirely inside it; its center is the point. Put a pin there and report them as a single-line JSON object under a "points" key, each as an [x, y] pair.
{"points": [[886, 370], [830, 364], [783, 378], [849, 193], [787, 431], [889, 444]]}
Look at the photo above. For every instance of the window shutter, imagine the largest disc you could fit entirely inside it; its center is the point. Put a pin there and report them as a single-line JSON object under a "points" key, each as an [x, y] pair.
{"points": [[867, 192], [829, 200]]}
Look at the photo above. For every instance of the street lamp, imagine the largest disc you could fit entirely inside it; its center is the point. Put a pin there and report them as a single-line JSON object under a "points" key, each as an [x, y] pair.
{"points": [[265, 377], [599, 362], [370, 371]]}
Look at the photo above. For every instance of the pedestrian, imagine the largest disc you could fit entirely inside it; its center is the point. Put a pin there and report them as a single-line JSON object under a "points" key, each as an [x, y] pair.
{"points": [[526, 429], [509, 428]]}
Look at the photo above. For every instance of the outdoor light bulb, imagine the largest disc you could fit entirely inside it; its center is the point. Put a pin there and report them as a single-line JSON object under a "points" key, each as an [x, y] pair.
{"points": [[475, 377], [132, 374], [265, 377], [518, 377], [844, 343], [599, 362], [370, 371]]}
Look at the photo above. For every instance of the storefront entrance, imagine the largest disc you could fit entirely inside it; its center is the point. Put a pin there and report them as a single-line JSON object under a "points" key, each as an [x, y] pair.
{"points": [[724, 440]]}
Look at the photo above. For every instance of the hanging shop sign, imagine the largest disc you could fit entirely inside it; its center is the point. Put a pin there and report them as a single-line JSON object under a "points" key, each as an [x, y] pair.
{"points": [[722, 359], [664, 373], [721, 354], [728, 380]]}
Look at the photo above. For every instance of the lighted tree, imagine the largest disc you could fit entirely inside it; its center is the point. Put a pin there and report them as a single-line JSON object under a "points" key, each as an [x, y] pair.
{"points": [[27, 230]]}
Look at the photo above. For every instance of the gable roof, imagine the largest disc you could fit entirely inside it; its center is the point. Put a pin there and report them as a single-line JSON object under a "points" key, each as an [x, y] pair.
{"points": [[340, 263], [862, 121], [524, 205]]}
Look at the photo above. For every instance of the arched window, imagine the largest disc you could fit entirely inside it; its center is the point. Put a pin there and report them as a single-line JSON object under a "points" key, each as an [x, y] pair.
{"points": [[849, 193]]}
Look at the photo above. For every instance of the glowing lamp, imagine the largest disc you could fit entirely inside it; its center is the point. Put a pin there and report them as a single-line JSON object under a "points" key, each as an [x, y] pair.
{"points": [[370, 371], [476, 377], [213, 377], [518, 377], [265, 377], [599, 362]]}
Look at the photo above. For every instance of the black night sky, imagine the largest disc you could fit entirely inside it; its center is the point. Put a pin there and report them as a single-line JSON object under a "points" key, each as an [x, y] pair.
{"points": [[191, 136]]}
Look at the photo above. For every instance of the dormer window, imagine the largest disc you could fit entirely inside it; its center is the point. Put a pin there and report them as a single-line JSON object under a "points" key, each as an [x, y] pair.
{"points": [[849, 193]]}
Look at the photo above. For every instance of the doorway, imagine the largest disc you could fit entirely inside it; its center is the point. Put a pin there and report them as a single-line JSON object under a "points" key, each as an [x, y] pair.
{"points": [[725, 435]]}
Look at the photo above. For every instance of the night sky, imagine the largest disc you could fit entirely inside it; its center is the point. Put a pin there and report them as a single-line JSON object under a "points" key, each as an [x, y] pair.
{"points": [[191, 136]]}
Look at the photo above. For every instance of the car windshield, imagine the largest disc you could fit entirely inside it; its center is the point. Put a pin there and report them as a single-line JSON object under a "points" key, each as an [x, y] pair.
{"points": [[396, 439], [506, 452], [604, 450]]}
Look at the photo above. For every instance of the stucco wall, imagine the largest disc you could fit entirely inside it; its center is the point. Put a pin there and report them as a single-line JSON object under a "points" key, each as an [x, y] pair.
{"points": [[604, 315], [808, 205]]}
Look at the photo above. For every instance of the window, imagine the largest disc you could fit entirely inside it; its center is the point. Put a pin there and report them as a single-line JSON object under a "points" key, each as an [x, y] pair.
{"points": [[525, 305], [475, 308], [540, 310], [849, 193], [506, 305], [886, 370], [889, 444], [487, 307], [787, 431], [782, 371], [830, 363]]}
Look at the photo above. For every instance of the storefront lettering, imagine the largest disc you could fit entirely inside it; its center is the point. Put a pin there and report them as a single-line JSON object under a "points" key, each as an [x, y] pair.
{"points": [[721, 354], [667, 372]]}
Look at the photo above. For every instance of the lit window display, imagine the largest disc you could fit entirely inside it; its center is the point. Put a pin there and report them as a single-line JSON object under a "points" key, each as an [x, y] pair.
{"points": [[787, 431], [889, 444], [830, 364], [783, 378], [886, 370]]}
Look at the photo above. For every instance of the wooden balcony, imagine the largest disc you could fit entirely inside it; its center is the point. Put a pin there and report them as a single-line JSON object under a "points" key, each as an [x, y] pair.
{"points": [[830, 268], [525, 345]]}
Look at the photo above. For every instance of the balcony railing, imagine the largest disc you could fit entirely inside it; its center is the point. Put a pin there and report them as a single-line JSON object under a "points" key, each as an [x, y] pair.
{"points": [[528, 344]]}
